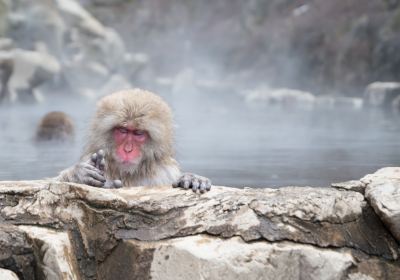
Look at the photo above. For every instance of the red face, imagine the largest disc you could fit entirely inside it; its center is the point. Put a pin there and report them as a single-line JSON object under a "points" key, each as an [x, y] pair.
{"points": [[128, 142]]}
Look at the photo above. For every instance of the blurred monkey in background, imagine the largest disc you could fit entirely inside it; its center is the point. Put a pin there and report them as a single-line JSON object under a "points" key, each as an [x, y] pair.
{"points": [[55, 126]]}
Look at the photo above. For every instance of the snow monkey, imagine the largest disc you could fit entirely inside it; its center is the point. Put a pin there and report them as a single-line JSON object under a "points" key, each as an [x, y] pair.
{"points": [[131, 144], [55, 126]]}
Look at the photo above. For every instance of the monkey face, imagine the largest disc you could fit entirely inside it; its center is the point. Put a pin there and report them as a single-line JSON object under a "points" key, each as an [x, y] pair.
{"points": [[128, 144]]}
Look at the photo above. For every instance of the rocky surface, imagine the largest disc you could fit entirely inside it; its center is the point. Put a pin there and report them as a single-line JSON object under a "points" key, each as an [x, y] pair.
{"points": [[56, 230], [7, 275], [383, 193], [276, 42], [58, 47], [382, 94]]}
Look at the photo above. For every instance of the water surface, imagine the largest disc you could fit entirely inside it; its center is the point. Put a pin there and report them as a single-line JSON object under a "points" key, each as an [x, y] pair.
{"points": [[233, 143]]}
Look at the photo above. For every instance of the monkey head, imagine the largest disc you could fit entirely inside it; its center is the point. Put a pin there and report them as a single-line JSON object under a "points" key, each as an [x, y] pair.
{"points": [[133, 127]]}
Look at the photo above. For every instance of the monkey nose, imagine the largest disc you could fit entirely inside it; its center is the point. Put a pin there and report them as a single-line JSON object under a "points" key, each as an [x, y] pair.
{"points": [[128, 148]]}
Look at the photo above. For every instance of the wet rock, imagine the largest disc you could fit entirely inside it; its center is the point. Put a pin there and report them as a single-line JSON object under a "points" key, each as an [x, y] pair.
{"points": [[31, 69], [281, 96], [16, 254], [383, 193], [339, 102], [381, 94], [7, 275], [354, 185], [53, 251], [205, 257], [63, 33], [321, 233]]}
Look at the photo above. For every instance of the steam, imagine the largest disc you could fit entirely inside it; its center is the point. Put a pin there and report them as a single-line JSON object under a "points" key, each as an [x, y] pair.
{"points": [[207, 61]]}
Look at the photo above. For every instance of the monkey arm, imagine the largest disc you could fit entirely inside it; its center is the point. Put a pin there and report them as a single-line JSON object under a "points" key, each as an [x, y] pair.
{"points": [[194, 182]]}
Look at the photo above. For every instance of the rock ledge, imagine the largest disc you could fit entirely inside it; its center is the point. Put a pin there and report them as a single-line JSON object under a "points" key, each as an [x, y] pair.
{"points": [[53, 230]]}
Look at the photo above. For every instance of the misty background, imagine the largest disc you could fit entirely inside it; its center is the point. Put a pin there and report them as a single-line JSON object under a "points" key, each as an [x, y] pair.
{"points": [[266, 93]]}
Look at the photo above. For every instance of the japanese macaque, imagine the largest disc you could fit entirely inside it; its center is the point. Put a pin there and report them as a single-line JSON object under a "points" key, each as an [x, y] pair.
{"points": [[131, 144], [55, 126]]}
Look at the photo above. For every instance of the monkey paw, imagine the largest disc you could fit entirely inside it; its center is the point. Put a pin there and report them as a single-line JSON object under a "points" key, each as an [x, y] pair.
{"points": [[194, 182], [86, 173], [113, 184], [98, 161]]}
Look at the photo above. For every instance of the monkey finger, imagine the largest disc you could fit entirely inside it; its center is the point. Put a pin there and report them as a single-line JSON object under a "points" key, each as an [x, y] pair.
{"points": [[102, 164], [101, 153], [203, 188], [185, 184], [89, 167], [93, 159], [208, 185], [195, 185], [94, 183], [96, 175], [117, 184]]}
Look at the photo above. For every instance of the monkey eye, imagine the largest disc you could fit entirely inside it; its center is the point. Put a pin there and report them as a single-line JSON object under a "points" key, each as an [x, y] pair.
{"points": [[122, 130], [139, 132]]}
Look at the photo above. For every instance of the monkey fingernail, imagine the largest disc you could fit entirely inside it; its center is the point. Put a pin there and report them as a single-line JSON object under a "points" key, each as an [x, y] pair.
{"points": [[94, 157], [117, 183], [186, 184], [101, 153], [102, 164]]}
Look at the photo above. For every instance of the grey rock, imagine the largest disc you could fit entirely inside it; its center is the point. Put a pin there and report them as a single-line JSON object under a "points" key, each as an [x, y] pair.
{"points": [[16, 254], [320, 233], [383, 193], [6, 274], [381, 94], [354, 185], [85, 50], [31, 69], [281, 96], [204, 257]]}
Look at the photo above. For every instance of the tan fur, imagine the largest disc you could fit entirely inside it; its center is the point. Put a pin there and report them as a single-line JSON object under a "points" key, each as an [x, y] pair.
{"points": [[55, 126], [143, 110]]}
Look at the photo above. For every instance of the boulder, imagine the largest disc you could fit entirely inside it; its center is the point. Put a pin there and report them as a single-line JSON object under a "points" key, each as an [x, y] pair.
{"points": [[71, 231], [381, 94], [31, 69], [206, 257], [383, 193], [60, 38], [6, 274]]}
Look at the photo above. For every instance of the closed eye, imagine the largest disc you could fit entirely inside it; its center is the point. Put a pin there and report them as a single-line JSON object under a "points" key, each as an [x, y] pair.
{"points": [[123, 130], [139, 132]]}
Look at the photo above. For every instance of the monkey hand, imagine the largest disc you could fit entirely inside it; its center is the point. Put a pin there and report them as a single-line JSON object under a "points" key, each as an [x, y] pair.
{"points": [[194, 182], [86, 173], [97, 160], [89, 172]]}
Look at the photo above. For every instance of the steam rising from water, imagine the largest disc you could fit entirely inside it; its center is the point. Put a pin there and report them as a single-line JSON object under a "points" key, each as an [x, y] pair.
{"points": [[232, 143]]}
